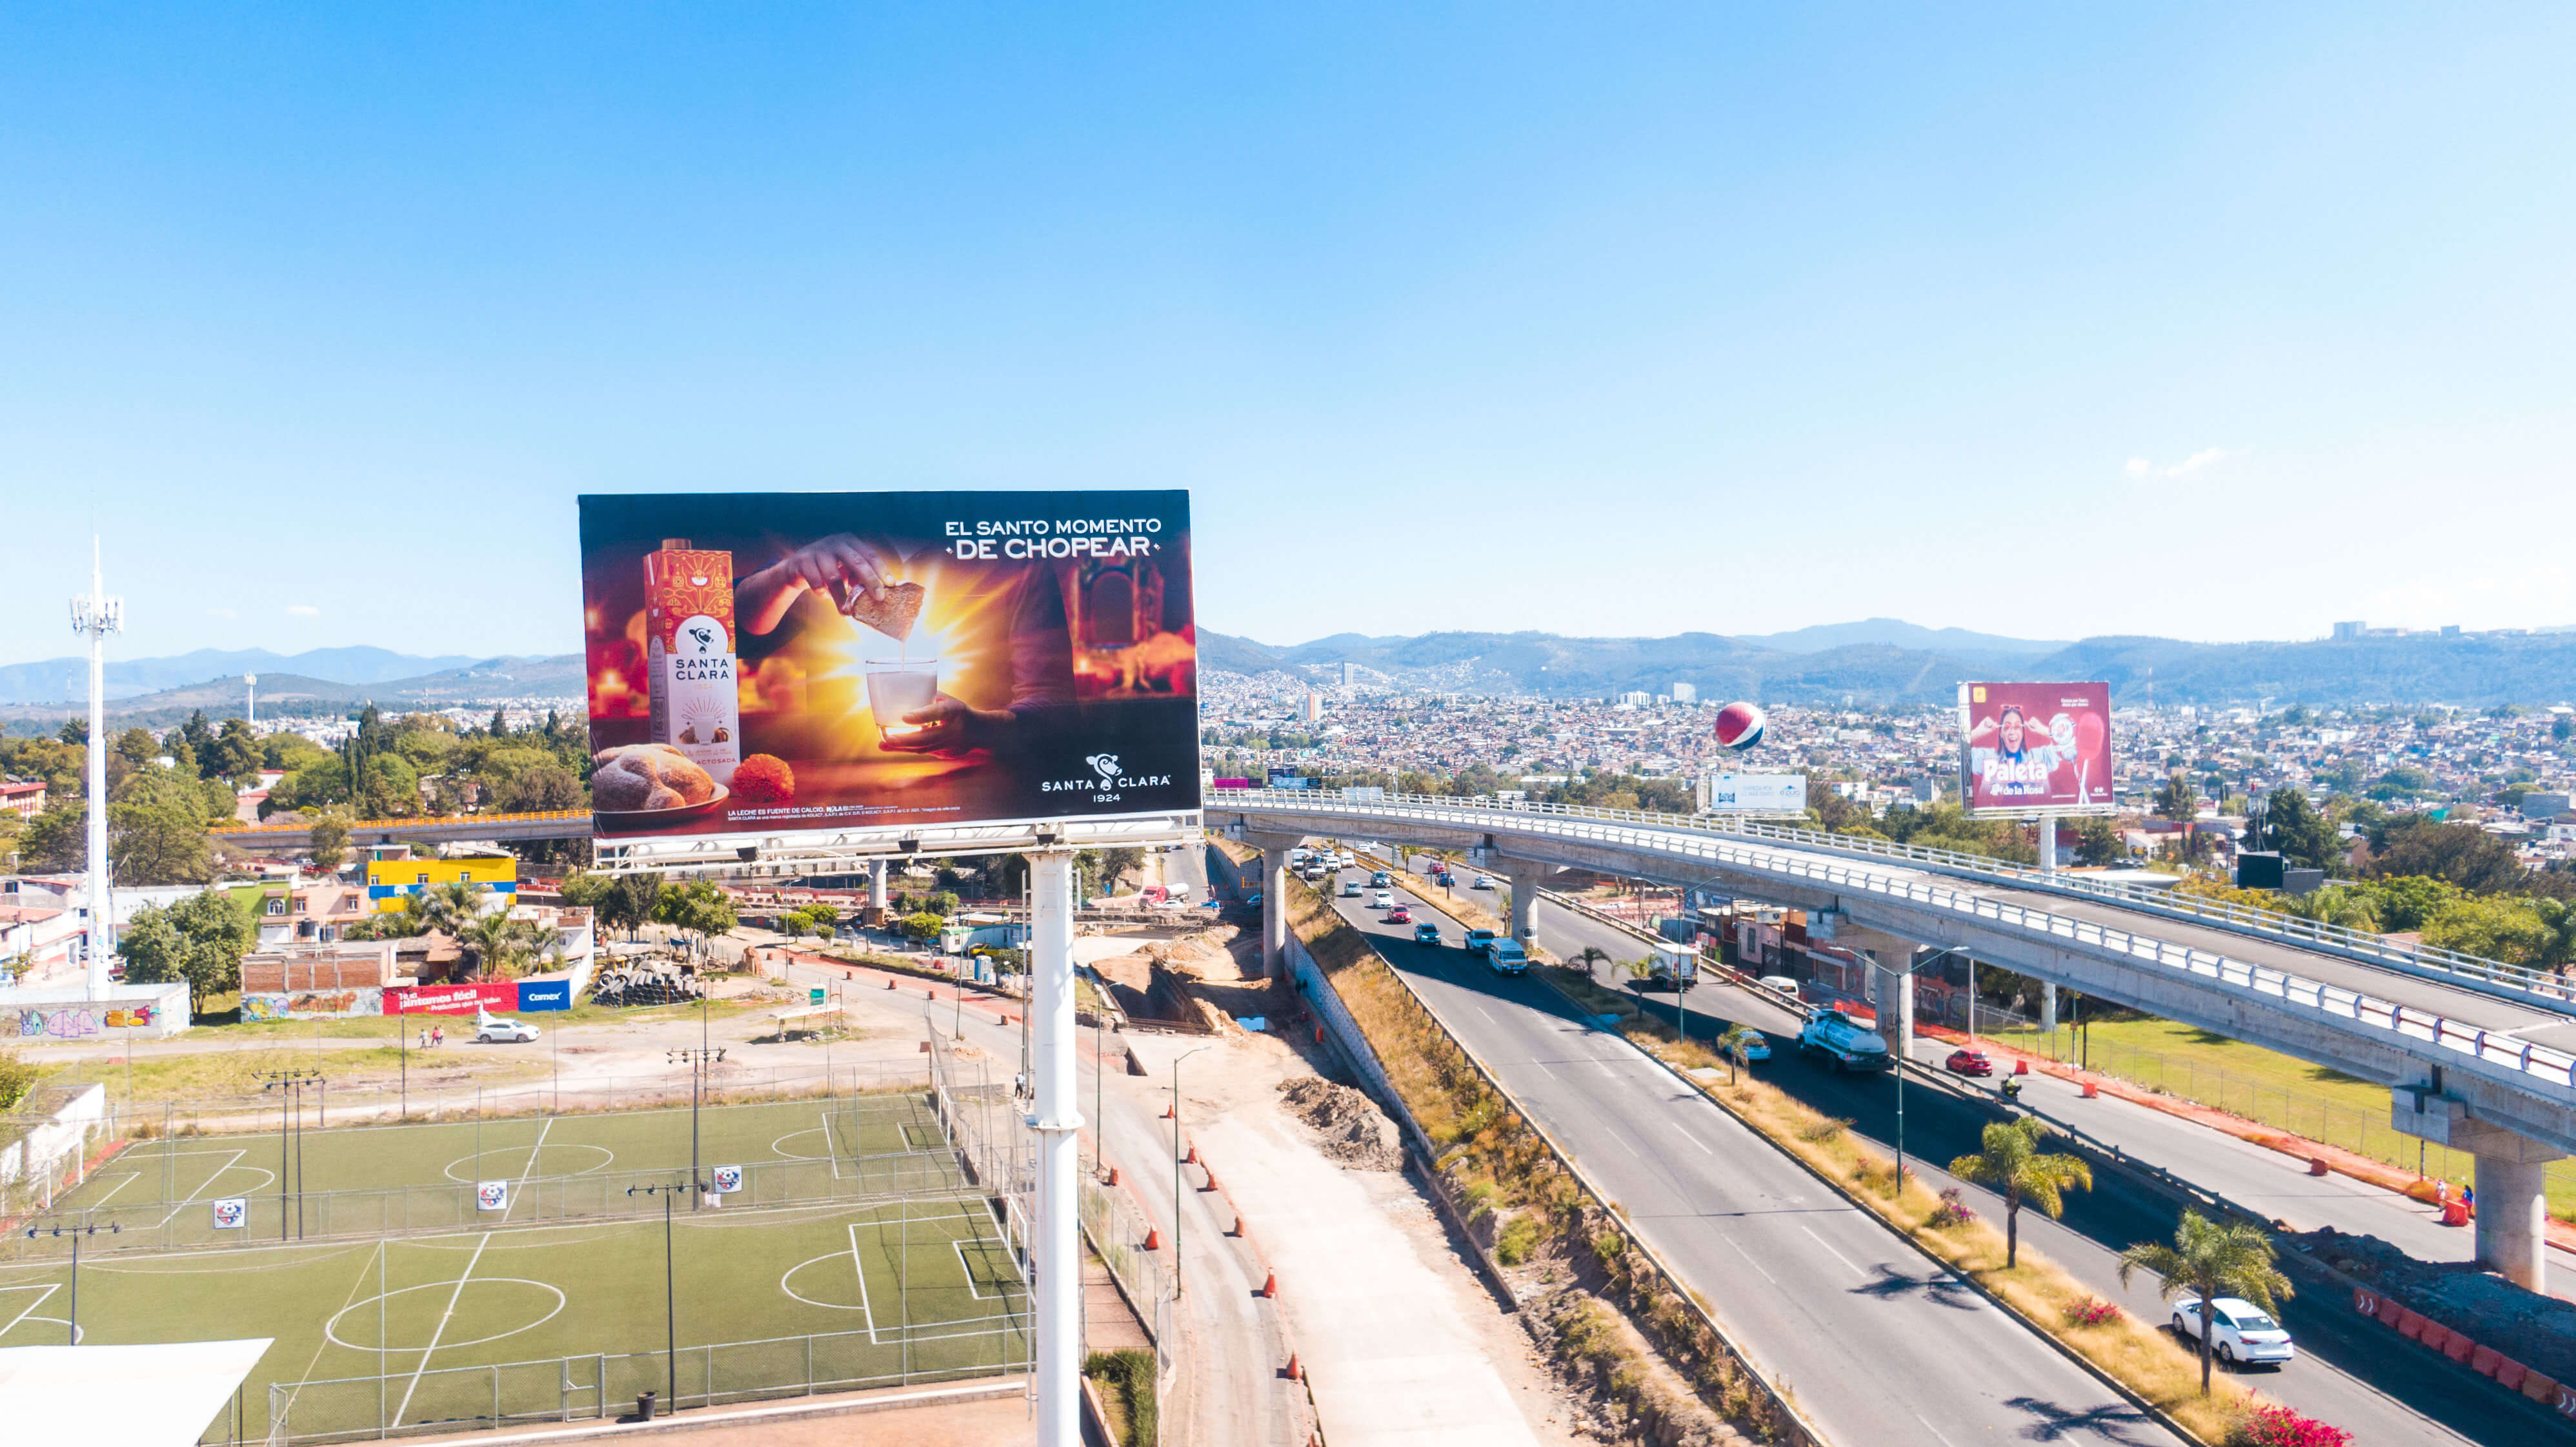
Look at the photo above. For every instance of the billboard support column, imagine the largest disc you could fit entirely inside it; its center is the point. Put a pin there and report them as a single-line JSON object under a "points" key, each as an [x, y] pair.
{"points": [[876, 888], [1057, 1257], [2048, 844]]}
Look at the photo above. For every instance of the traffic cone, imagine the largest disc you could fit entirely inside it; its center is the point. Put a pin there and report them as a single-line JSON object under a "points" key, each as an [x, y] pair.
{"points": [[1153, 1239], [1270, 1284], [1192, 1158], [1211, 1175], [1113, 1175], [1167, 1112], [1237, 1232], [889, 984], [1296, 1373]]}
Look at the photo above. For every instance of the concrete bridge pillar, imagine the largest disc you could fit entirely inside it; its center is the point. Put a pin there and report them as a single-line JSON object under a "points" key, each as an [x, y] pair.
{"points": [[2512, 1206], [1274, 900], [2048, 1008], [1526, 876], [876, 886]]}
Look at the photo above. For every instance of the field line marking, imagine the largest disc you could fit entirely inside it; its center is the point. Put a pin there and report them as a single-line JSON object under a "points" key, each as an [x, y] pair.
{"points": [[533, 1152], [831, 1152], [860, 1268], [123, 1180], [42, 1293], [444, 1317], [232, 1159], [325, 1344]]}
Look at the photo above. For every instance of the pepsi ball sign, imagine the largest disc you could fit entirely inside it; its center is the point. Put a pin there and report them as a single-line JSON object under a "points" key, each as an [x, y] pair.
{"points": [[1740, 726]]}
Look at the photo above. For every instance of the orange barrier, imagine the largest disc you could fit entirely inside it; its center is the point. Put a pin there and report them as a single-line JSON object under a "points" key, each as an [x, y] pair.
{"points": [[2486, 1361]]}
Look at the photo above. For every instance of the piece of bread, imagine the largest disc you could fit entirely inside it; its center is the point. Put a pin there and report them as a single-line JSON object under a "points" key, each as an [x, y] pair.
{"points": [[647, 776], [892, 615]]}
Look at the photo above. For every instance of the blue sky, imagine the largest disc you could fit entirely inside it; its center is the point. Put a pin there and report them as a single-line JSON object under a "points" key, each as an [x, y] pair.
{"points": [[2216, 322]]}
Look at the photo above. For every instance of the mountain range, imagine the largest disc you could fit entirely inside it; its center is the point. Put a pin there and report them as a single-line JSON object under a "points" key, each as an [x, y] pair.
{"points": [[1874, 662], [1871, 664]]}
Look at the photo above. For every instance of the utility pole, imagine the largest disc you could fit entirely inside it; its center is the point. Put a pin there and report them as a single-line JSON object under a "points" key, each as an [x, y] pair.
{"points": [[670, 1291], [697, 1060], [94, 616], [290, 1136]]}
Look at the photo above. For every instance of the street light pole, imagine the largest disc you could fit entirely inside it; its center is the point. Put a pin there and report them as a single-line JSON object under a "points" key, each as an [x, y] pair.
{"points": [[72, 1326], [290, 1136], [697, 1060], [1176, 1167], [1908, 975]]}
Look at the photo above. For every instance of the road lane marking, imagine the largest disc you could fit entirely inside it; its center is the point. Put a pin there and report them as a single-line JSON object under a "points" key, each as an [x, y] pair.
{"points": [[1750, 1259], [1928, 1427], [1695, 1140], [1830, 1251]]}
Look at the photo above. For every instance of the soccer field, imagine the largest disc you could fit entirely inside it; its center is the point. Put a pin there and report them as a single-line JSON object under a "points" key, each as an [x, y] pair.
{"points": [[541, 1322], [405, 1179]]}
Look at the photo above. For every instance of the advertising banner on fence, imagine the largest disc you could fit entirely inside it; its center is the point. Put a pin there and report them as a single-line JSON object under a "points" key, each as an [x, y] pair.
{"points": [[770, 662], [2035, 748], [545, 994], [1753, 794], [501, 995], [231, 1213]]}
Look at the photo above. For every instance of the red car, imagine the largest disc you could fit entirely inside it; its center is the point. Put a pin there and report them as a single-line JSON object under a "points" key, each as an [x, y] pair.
{"points": [[1969, 1062], [1399, 915]]}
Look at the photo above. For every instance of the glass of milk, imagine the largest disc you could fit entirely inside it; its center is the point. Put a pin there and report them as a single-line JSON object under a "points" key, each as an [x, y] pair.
{"points": [[898, 686]]}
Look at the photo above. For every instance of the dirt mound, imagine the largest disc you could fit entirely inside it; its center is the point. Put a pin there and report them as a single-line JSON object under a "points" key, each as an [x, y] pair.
{"points": [[2538, 1331], [1348, 1126]]}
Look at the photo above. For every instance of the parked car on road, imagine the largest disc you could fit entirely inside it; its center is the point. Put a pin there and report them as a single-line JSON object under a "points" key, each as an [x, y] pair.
{"points": [[493, 1030], [1969, 1062], [2246, 1335]]}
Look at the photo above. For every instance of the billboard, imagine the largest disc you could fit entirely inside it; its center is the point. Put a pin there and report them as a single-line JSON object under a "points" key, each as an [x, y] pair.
{"points": [[452, 999], [1753, 794], [2035, 748], [776, 662]]}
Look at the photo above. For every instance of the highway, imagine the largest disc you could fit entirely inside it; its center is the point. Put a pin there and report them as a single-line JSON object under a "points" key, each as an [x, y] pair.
{"points": [[1879, 1345], [2353, 1373]]}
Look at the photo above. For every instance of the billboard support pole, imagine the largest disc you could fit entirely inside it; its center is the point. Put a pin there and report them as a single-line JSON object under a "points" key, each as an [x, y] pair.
{"points": [[1056, 1259], [2048, 844]]}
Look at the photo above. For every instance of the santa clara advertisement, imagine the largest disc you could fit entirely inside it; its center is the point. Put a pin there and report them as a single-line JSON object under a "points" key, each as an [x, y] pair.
{"points": [[774, 662]]}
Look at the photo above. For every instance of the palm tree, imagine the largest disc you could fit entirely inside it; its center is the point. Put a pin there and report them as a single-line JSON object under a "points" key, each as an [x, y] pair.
{"points": [[498, 942], [1733, 1043], [2209, 1260], [1591, 958], [2012, 1163]]}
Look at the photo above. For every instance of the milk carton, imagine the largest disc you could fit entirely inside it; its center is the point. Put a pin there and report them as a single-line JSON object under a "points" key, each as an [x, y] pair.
{"points": [[689, 655]]}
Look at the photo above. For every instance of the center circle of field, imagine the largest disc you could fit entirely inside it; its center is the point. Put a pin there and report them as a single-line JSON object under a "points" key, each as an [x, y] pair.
{"points": [[848, 1265], [779, 1148], [474, 1299], [520, 1163]]}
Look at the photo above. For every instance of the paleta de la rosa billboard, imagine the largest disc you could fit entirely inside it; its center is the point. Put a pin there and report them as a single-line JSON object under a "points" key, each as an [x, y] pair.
{"points": [[764, 663], [2036, 747]]}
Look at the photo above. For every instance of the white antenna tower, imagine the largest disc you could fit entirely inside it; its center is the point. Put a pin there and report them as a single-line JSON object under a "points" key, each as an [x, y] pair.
{"points": [[94, 616]]}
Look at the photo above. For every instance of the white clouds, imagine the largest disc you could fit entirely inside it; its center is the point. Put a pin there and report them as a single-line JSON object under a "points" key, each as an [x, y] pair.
{"points": [[302, 610], [2141, 469]]}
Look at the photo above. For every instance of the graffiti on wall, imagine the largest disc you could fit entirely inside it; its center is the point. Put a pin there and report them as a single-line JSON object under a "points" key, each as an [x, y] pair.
{"points": [[312, 1004], [79, 1022]]}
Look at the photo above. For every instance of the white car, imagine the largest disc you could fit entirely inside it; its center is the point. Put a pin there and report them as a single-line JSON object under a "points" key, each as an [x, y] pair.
{"points": [[1483, 881], [2246, 1334], [1781, 983], [1383, 899], [492, 1030], [1350, 889]]}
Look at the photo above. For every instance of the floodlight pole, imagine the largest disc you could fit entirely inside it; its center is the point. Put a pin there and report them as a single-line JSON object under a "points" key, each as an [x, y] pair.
{"points": [[1057, 1121], [697, 1060], [72, 1327], [290, 1136], [670, 1290]]}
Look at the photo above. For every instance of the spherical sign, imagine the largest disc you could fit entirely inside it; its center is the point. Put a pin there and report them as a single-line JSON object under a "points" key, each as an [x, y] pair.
{"points": [[1740, 726]]}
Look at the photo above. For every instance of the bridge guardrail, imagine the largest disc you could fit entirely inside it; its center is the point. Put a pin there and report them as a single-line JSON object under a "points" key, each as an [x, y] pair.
{"points": [[424, 821], [2366, 1012], [2432, 961]]}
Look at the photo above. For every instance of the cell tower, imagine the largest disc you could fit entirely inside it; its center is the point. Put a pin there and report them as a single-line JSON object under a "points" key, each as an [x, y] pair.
{"points": [[94, 616]]}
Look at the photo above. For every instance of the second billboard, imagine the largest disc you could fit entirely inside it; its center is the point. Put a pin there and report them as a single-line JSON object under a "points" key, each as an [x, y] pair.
{"points": [[772, 662], [2036, 747]]}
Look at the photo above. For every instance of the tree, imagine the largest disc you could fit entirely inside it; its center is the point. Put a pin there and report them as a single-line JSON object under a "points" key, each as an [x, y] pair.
{"points": [[137, 747], [635, 899], [1591, 958], [330, 835], [2208, 1260], [499, 943], [2098, 842], [157, 828], [2305, 837], [199, 940], [2177, 800], [233, 756], [2460, 854], [56, 841], [1735, 1044], [2011, 1162], [2496, 929], [699, 908]]}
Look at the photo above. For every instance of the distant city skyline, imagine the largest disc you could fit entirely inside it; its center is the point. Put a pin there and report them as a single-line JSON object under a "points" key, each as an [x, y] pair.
{"points": [[2202, 321]]}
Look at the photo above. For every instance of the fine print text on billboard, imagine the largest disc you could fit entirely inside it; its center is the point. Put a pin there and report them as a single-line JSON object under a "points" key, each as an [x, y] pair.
{"points": [[2036, 747], [1753, 794], [776, 662]]}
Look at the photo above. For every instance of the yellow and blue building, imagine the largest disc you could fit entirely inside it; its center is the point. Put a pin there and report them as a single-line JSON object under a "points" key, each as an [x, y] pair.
{"points": [[391, 881]]}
